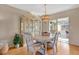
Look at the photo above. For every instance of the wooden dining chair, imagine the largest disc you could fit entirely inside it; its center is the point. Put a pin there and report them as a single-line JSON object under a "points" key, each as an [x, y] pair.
{"points": [[31, 47], [53, 43]]}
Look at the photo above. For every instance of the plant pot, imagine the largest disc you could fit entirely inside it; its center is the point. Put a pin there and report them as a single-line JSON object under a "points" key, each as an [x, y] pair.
{"points": [[17, 45]]}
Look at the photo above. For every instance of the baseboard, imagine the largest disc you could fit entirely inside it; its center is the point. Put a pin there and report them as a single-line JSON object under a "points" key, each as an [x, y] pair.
{"points": [[74, 44]]}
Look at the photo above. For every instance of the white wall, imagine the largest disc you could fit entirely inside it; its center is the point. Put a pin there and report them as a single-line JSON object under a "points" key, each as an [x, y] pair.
{"points": [[74, 29], [9, 22], [74, 24], [9, 26]]}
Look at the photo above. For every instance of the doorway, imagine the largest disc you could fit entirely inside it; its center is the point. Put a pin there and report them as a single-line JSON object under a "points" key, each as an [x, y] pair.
{"points": [[63, 29]]}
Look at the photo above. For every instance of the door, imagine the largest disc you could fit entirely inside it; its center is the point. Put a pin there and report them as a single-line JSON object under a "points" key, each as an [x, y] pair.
{"points": [[63, 28], [52, 27]]}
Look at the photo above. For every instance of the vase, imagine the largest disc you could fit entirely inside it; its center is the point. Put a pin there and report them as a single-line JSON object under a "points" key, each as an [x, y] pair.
{"points": [[17, 45]]}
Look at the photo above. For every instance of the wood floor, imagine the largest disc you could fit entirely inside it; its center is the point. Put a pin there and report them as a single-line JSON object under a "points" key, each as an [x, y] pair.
{"points": [[63, 49]]}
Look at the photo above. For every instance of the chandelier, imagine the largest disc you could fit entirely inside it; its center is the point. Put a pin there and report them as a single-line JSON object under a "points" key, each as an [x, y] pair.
{"points": [[45, 17]]}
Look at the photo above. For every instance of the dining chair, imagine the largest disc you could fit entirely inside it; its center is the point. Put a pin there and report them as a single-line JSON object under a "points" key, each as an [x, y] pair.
{"points": [[53, 43], [29, 42], [31, 47]]}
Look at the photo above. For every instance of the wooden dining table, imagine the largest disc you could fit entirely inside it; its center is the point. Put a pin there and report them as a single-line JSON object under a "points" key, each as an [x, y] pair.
{"points": [[42, 38]]}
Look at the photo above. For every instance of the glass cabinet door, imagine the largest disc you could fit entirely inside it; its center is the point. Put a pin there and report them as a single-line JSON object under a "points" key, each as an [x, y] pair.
{"points": [[36, 27], [31, 26]]}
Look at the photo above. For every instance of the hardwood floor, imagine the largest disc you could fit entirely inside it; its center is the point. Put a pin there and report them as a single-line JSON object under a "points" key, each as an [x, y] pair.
{"points": [[63, 49]]}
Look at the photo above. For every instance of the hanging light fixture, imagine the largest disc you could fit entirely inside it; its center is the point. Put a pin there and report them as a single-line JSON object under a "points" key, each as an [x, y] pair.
{"points": [[45, 17]]}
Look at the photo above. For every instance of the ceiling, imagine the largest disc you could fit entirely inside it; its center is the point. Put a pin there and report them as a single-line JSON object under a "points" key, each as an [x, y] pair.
{"points": [[38, 9]]}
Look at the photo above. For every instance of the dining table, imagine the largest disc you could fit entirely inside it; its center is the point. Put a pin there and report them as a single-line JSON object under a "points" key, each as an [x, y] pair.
{"points": [[43, 40]]}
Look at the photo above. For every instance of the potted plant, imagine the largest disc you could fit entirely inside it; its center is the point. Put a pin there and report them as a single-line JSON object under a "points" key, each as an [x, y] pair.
{"points": [[17, 40]]}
